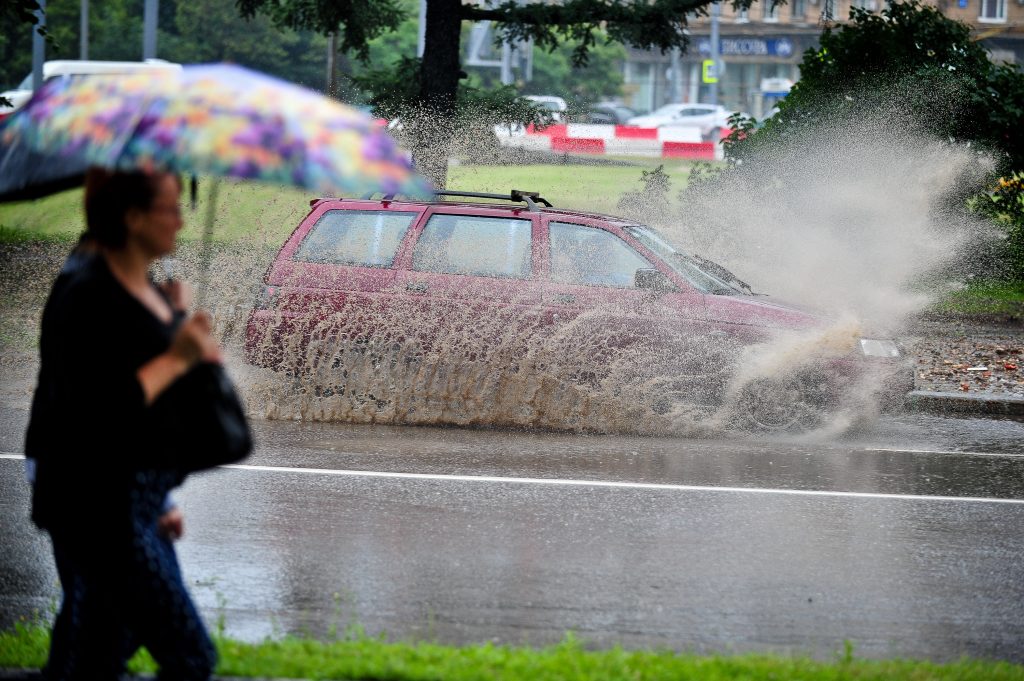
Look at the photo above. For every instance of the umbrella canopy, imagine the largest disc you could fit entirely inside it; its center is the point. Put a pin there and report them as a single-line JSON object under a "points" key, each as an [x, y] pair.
{"points": [[220, 120]]}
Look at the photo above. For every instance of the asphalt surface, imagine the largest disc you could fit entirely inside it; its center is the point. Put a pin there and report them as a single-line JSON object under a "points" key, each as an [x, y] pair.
{"points": [[905, 539]]}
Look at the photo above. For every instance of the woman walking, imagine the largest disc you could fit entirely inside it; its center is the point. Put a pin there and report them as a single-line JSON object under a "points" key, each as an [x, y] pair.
{"points": [[112, 350]]}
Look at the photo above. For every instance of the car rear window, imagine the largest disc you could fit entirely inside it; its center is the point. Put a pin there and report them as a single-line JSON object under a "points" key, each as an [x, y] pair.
{"points": [[355, 237], [593, 257], [471, 244]]}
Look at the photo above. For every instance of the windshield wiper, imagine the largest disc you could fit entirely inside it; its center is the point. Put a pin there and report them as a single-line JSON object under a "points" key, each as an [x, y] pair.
{"points": [[722, 273], [714, 269]]}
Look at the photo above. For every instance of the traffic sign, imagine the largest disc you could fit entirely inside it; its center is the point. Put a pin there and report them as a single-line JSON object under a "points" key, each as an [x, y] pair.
{"points": [[709, 72]]}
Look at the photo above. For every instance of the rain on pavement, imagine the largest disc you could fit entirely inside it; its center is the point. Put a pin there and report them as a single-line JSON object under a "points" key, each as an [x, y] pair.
{"points": [[903, 539]]}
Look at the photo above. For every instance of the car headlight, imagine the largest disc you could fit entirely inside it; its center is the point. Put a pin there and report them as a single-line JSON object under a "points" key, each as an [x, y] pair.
{"points": [[878, 348]]}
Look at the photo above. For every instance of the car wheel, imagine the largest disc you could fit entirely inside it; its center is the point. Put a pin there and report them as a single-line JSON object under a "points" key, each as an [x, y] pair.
{"points": [[782, 405]]}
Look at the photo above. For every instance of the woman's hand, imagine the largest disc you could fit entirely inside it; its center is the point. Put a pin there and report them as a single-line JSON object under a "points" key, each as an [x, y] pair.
{"points": [[179, 293], [193, 342], [172, 524]]}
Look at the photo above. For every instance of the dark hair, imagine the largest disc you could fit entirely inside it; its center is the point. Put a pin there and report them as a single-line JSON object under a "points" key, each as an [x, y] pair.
{"points": [[109, 195]]}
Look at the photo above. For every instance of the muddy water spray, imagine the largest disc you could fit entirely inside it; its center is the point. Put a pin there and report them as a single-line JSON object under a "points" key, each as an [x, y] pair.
{"points": [[853, 228]]}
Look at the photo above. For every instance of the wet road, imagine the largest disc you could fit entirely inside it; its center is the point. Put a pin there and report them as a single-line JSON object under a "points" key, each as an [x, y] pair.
{"points": [[905, 540]]}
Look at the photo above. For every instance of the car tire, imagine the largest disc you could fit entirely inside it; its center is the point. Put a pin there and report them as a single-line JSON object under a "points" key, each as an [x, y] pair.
{"points": [[792, 404]]}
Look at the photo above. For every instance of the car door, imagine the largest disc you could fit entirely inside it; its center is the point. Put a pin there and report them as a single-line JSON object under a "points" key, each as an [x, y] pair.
{"points": [[332, 279], [594, 303], [468, 282]]}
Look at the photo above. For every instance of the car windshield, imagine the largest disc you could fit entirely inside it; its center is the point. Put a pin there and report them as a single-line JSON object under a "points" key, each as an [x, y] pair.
{"points": [[704, 274], [25, 84]]}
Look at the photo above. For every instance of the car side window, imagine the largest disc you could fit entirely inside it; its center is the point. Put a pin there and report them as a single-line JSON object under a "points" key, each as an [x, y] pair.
{"points": [[368, 238], [475, 245], [593, 257]]}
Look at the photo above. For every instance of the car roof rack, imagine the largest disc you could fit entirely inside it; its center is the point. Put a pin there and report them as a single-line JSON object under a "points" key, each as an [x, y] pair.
{"points": [[531, 199]]}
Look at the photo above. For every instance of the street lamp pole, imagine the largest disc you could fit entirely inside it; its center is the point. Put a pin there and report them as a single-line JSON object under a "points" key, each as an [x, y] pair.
{"points": [[38, 46], [149, 19], [83, 31], [716, 13]]}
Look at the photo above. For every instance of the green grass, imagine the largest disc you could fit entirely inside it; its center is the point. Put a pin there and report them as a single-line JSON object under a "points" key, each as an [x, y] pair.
{"points": [[243, 210], [362, 657], [987, 297], [270, 213], [591, 188]]}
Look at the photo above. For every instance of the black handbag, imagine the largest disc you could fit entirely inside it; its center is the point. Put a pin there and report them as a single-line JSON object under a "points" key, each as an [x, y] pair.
{"points": [[202, 421]]}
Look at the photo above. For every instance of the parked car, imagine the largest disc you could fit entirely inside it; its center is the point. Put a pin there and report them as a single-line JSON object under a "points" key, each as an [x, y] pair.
{"points": [[609, 298], [556, 105], [71, 67], [710, 118], [618, 114]]}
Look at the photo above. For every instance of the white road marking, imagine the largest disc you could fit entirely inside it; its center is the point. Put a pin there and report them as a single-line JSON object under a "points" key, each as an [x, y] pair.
{"points": [[932, 451], [599, 483], [613, 484]]}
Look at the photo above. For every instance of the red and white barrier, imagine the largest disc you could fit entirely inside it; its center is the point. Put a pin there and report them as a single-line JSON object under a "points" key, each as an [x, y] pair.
{"points": [[581, 138]]}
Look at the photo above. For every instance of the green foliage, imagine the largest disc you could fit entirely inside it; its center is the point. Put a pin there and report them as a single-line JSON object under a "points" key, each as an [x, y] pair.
{"points": [[658, 24], [911, 66], [357, 21], [555, 74], [395, 93], [211, 31], [1004, 203], [986, 297], [652, 202], [199, 31]]}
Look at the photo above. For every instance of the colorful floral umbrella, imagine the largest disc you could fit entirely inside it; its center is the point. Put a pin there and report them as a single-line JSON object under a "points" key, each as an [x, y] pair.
{"points": [[219, 120]]}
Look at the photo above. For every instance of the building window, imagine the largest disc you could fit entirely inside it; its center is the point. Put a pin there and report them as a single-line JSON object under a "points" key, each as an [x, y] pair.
{"points": [[799, 9], [993, 10], [743, 16], [771, 11], [869, 5]]}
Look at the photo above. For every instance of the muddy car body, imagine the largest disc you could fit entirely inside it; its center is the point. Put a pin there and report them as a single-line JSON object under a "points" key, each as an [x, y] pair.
{"points": [[601, 298]]}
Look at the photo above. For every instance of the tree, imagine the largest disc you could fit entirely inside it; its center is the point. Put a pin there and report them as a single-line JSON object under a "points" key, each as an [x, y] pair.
{"points": [[211, 31], [16, 17], [909, 60], [189, 32], [649, 24], [554, 73]]}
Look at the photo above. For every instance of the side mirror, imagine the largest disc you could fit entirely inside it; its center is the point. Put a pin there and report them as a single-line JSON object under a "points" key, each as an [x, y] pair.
{"points": [[653, 280]]}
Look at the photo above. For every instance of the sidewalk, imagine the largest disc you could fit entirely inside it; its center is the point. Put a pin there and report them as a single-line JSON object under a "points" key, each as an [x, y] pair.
{"points": [[968, 365]]}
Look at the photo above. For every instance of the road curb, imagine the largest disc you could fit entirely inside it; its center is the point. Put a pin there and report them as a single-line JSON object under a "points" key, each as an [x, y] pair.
{"points": [[965, 403]]}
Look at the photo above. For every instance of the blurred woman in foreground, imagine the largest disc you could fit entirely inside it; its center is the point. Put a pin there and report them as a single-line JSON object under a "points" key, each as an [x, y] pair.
{"points": [[112, 347]]}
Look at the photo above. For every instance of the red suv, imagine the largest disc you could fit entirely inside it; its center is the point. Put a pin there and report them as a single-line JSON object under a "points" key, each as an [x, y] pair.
{"points": [[535, 310]]}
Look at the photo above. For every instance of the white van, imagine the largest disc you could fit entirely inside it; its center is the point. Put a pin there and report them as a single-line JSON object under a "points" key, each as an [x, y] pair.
{"points": [[72, 67]]}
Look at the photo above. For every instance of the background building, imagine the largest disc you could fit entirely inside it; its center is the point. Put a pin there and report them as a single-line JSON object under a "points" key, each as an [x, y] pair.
{"points": [[763, 46]]}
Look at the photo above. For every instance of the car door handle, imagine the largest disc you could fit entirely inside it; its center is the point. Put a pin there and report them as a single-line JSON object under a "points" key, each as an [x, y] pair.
{"points": [[416, 287], [565, 298]]}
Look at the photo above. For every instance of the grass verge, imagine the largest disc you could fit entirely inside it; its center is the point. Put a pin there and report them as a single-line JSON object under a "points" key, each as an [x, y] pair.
{"points": [[986, 297], [362, 657]]}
